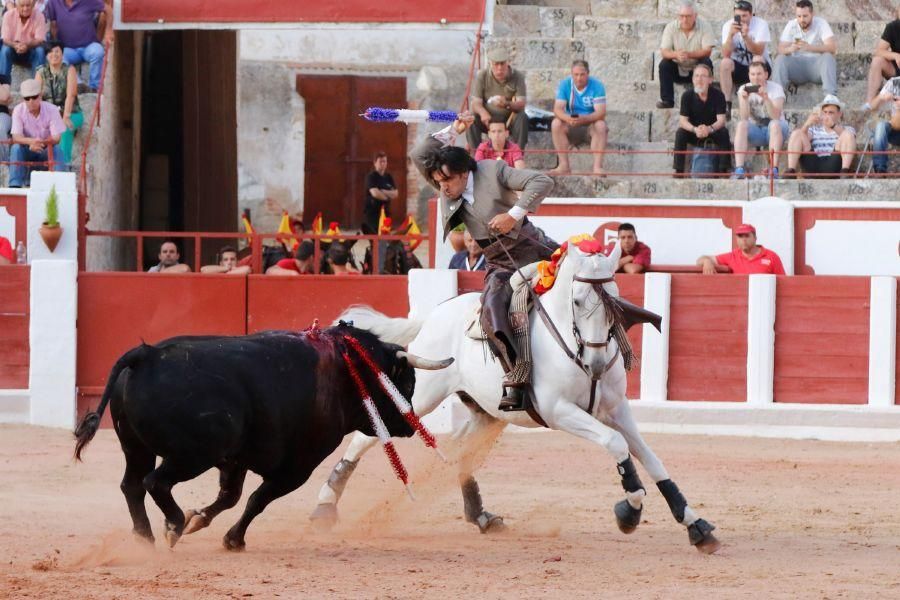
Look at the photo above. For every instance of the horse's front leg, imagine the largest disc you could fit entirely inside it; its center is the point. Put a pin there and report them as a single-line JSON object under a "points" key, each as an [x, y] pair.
{"points": [[573, 419], [619, 417]]}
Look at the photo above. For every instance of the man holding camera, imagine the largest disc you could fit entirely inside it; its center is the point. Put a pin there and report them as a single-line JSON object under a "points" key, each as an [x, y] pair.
{"points": [[745, 39], [761, 106], [806, 51], [887, 133], [499, 95]]}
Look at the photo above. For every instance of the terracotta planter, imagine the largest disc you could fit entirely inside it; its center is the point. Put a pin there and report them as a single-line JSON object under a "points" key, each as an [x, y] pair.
{"points": [[457, 240], [51, 236]]}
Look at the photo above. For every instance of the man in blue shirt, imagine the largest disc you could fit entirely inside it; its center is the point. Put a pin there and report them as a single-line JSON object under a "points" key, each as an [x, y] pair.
{"points": [[580, 113]]}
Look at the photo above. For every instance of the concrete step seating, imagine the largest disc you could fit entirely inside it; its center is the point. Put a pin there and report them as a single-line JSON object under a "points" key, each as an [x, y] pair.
{"points": [[620, 39]]}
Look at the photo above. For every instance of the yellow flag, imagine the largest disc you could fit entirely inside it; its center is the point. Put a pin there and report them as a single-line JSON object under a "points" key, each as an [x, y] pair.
{"points": [[413, 230], [285, 227], [381, 217], [248, 227]]}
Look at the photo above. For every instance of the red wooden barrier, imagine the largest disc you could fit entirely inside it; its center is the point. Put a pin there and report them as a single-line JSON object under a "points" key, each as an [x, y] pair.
{"points": [[708, 338], [14, 307], [117, 310], [293, 302], [822, 340]]}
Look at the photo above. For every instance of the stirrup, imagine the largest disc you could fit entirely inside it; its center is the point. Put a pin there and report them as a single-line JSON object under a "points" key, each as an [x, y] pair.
{"points": [[513, 399]]}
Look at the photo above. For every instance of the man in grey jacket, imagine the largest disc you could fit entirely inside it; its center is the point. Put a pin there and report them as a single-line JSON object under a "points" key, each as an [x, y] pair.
{"points": [[483, 196]]}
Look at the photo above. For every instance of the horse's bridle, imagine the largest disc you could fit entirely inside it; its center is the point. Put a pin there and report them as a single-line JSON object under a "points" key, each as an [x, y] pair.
{"points": [[580, 341]]}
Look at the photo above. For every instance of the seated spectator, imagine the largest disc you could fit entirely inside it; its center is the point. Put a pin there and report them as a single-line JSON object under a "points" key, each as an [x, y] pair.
{"points": [[228, 263], [686, 42], [498, 147], [24, 32], [635, 255], [470, 259], [500, 94], [580, 114], [885, 59], [822, 133], [702, 117], [35, 126], [7, 257], [747, 259], [887, 133], [169, 260], [745, 39], [300, 264], [806, 51], [72, 23], [5, 117], [762, 118], [338, 259], [59, 83]]}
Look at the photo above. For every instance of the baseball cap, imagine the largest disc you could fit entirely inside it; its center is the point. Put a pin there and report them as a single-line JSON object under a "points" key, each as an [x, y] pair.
{"points": [[499, 54], [744, 228]]}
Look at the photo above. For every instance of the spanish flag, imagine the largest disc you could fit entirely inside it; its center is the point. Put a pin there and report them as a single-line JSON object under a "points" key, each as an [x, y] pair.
{"points": [[333, 229], [248, 227], [411, 228], [285, 227], [317, 224], [381, 218]]}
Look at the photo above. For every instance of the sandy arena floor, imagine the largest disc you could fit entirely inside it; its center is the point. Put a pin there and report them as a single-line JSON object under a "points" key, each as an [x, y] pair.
{"points": [[798, 519]]}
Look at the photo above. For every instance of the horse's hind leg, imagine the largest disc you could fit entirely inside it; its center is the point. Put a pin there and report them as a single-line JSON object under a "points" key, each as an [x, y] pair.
{"points": [[231, 483], [699, 530], [477, 437], [325, 514]]}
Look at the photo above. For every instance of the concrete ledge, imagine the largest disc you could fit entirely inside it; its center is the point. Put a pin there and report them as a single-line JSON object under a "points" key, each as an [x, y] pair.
{"points": [[15, 406], [795, 421]]}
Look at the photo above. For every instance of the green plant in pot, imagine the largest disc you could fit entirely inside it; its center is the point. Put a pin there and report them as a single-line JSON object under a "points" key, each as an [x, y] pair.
{"points": [[50, 230]]}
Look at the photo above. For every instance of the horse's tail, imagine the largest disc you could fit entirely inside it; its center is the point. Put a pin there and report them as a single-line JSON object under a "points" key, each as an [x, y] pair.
{"points": [[388, 329], [89, 424]]}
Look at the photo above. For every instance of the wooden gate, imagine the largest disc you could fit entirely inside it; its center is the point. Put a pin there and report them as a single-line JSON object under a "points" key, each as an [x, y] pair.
{"points": [[340, 144]]}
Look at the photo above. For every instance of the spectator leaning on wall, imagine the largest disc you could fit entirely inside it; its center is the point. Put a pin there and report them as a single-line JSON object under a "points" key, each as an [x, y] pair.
{"points": [[228, 263], [747, 259], [635, 255], [169, 260], [300, 264]]}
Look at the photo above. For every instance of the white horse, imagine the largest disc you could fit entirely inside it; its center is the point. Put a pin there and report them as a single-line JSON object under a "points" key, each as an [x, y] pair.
{"points": [[561, 386]]}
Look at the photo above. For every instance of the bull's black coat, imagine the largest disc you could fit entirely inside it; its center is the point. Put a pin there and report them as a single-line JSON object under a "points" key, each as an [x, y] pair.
{"points": [[276, 403]]}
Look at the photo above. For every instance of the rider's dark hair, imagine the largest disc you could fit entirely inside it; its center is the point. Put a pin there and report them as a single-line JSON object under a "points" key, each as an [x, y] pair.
{"points": [[626, 227], [338, 254], [456, 159]]}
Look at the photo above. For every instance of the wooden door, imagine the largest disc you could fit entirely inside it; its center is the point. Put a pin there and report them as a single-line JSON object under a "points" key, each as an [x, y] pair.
{"points": [[340, 144]]}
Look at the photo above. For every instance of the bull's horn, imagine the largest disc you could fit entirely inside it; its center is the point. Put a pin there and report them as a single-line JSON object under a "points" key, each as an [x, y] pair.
{"points": [[425, 363]]}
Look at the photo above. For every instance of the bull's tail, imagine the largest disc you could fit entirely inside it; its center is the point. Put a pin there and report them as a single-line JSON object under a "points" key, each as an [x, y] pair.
{"points": [[390, 330], [89, 424]]}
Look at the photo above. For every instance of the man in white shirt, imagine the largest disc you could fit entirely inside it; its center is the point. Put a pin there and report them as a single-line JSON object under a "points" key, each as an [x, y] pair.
{"points": [[745, 39], [761, 105], [887, 133], [806, 51]]}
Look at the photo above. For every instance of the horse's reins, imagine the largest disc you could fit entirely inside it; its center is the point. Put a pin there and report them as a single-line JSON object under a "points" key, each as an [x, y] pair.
{"points": [[575, 357]]}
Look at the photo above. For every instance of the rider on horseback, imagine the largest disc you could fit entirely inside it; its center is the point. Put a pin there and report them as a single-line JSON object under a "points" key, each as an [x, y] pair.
{"points": [[482, 195]]}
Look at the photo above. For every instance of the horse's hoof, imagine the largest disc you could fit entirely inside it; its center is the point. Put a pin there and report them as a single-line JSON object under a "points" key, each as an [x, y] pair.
{"points": [[490, 522], [627, 517], [196, 520], [324, 517], [709, 545], [700, 535], [233, 545]]}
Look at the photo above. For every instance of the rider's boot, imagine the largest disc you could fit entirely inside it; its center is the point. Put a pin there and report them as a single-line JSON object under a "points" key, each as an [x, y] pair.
{"points": [[516, 381]]}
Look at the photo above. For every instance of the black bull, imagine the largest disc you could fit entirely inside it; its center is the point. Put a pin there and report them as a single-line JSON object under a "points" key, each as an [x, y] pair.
{"points": [[276, 403]]}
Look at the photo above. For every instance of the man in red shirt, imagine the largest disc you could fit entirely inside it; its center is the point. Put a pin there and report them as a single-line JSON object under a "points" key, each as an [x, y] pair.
{"points": [[748, 258], [6, 252], [635, 255]]}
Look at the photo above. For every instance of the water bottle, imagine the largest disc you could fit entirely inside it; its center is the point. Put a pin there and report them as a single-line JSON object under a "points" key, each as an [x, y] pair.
{"points": [[21, 254]]}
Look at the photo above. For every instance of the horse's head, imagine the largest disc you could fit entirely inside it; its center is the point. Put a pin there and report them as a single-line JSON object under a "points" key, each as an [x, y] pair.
{"points": [[593, 312]]}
